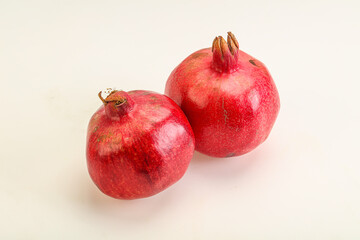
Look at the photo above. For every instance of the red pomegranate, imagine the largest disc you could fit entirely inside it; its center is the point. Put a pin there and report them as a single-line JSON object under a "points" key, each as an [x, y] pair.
{"points": [[228, 96], [138, 144]]}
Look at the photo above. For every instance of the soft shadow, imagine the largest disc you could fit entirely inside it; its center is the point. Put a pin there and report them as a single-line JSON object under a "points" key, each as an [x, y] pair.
{"points": [[87, 195], [231, 167], [84, 193]]}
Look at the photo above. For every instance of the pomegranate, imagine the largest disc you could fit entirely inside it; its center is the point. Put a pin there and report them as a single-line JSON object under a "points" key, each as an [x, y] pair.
{"points": [[138, 144], [228, 96]]}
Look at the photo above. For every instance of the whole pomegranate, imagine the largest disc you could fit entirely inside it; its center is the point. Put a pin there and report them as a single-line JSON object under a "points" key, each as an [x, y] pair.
{"points": [[228, 97], [138, 144]]}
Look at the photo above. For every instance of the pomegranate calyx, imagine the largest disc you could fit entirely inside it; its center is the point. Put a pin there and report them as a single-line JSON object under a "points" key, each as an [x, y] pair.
{"points": [[225, 53], [118, 99], [117, 104]]}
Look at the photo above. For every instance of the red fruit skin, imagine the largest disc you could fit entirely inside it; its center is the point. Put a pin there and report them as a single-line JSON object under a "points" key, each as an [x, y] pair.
{"points": [[231, 112], [141, 151]]}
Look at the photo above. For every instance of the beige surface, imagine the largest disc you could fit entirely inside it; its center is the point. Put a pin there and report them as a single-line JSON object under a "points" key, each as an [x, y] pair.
{"points": [[302, 183]]}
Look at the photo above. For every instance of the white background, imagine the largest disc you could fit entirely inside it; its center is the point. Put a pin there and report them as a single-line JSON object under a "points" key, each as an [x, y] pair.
{"points": [[302, 183]]}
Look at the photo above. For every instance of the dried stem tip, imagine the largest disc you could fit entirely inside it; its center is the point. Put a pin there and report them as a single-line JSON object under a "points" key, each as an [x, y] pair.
{"points": [[117, 98]]}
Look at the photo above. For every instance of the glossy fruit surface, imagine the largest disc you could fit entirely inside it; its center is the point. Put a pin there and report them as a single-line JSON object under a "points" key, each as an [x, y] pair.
{"points": [[228, 96], [138, 144]]}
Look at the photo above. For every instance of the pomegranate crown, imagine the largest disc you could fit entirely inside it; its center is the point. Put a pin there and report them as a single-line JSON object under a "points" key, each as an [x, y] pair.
{"points": [[219, 44], [112, 97], [225, 53], [117, 104]]}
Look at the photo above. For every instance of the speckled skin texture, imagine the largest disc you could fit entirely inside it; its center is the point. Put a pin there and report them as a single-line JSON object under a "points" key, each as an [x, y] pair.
{"points": [[231, 112], [139, 148]]}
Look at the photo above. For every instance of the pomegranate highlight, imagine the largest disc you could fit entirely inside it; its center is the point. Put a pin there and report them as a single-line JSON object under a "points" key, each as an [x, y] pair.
{"points": [[138, 144], [228, 96]]}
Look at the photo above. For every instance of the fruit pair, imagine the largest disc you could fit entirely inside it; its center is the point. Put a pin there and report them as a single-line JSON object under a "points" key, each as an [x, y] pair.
{"points": [[140, 142]]}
